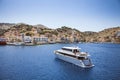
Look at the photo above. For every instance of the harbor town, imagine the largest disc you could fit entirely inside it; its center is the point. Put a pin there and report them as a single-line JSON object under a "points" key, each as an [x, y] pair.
{"points": [[24, 34]]}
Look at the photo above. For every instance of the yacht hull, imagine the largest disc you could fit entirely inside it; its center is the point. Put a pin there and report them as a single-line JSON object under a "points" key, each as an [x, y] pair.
{"points": [[72, 60]]}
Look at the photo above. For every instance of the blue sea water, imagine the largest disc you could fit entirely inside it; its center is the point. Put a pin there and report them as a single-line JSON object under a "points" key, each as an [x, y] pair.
{"points": [[39, 63]]}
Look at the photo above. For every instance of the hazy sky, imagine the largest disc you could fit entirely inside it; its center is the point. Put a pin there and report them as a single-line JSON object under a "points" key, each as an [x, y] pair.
{"points": [[85, 15]]}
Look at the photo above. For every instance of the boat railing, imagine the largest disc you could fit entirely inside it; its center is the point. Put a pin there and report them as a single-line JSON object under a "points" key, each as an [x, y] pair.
{"points": [[84, 54]]}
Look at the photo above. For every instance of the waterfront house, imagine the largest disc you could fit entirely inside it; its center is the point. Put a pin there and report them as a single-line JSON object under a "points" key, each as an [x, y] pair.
{"points": [[27, 39], [40, 40]]}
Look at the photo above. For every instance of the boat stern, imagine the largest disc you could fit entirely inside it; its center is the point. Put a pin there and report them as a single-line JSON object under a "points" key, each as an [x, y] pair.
{"points": [[87, 63]]}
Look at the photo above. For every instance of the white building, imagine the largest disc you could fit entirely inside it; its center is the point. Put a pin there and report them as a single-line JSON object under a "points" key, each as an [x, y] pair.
{"points": [[27, 39], [40, 40]]}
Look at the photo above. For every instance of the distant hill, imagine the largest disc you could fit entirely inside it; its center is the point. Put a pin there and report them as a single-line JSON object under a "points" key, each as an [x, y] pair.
{"points": [[6, 25], [40, 26]]}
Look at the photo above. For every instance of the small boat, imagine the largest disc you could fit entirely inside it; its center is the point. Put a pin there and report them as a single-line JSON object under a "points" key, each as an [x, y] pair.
{"points": [[74, 56], [16, 43], [2, 41]]}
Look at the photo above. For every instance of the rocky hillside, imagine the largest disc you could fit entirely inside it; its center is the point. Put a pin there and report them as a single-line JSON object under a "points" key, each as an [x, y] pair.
{"points": [[109, 35], [64, 33]]}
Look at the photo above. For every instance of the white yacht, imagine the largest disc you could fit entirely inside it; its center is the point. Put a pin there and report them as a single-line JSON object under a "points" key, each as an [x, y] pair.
{"points": [[73, 55]]}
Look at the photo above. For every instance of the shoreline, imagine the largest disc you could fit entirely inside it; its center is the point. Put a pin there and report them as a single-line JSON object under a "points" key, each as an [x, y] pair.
{"points": [[60, 43]]}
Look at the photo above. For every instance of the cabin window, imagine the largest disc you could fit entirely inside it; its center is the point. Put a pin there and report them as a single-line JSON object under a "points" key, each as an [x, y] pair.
{"points": [[67, 49], [75, 51]]}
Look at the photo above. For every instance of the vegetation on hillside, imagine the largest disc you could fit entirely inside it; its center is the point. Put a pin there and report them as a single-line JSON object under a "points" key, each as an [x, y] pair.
{"points": [[106, 35]]}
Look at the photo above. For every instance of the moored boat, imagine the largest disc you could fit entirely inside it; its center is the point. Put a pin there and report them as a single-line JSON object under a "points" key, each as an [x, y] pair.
{"points": [[74, 56], [16, 43], [2, 41]]}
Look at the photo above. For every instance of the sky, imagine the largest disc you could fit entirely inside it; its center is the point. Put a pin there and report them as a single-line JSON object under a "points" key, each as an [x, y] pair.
{"points": [[84, 15]]}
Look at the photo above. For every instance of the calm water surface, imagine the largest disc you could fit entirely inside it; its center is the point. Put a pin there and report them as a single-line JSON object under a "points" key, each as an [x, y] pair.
{"points": [[39, 63]]}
